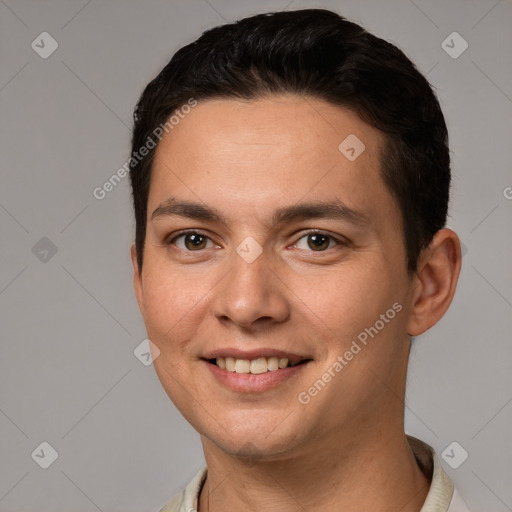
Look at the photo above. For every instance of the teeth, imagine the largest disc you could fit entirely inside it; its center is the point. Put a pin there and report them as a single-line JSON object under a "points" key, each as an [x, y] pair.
{"points": [[272, 364], [259, 365], [256, 366], [243, 366]]}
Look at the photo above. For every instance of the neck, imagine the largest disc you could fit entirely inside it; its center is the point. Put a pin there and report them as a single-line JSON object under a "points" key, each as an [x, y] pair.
{"points": [[380, 474]]}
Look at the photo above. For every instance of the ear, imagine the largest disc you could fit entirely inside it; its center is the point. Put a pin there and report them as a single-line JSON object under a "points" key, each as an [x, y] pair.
{"points": [[435, 281], [137, 279]]}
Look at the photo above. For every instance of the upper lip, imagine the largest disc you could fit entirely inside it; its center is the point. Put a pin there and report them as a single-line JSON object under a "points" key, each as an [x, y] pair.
{"points": [[254, 354]]}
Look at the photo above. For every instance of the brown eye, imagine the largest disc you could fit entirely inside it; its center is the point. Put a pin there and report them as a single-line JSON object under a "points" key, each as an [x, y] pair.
{"points": [[195, 241], [318, 242], [192, 241]]}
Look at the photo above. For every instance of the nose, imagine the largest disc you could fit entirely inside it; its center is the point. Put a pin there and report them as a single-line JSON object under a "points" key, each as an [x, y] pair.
{"points": [[251, 294]]}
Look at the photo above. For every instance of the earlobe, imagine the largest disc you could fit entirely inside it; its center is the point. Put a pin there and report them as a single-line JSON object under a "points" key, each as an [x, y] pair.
{"points": [[435, 281], [137, 278]]}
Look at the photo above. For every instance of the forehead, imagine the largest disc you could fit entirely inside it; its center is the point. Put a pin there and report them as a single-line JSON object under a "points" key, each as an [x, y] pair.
{"points": [[267, 152]]}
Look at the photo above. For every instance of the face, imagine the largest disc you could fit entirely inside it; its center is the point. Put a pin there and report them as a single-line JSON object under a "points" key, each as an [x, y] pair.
{"points": [[266, 242]]}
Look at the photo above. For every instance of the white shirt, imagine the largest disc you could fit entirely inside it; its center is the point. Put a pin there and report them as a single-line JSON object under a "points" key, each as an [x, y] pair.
{"points": [[441, 497]]}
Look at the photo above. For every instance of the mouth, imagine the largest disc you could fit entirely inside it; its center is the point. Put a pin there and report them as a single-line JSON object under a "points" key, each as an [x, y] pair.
{"points": [[254, 371], [256, 366]]}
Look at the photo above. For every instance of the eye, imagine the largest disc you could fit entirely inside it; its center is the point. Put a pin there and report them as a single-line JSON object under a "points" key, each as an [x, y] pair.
{"points": [[192, 241], [318, 242]]}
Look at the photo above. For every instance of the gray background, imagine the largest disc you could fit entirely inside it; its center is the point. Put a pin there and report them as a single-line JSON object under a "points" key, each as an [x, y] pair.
{"points": [[70, 323]]}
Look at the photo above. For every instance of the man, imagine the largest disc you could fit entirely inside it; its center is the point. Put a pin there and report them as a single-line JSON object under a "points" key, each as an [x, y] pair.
{"points": [[290, 183]]}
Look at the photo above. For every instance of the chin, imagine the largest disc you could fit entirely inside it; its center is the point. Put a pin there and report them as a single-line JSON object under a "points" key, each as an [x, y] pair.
{"points": [[255, 449], [257, 440]]}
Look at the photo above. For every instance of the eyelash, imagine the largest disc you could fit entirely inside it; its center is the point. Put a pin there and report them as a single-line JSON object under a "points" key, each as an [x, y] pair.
{"points": [[339, 241]]}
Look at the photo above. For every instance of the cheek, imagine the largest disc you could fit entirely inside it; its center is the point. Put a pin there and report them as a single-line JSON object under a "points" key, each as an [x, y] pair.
{"points": [[172, 303], [351, 298], [364, 308]]}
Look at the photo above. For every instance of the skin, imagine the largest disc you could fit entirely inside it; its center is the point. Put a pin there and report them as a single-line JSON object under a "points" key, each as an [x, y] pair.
{"points": [[345, 449]]}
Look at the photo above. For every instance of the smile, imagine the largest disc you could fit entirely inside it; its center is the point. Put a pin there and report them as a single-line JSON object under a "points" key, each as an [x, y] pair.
{"points": [[254, 366], [254, 374]]}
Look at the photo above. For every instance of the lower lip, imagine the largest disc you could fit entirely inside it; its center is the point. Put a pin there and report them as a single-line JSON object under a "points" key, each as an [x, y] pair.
{"points": [[249, 383]]}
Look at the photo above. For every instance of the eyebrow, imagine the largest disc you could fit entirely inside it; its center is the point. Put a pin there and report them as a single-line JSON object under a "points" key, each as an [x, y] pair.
{"points": [[314, 210]]}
